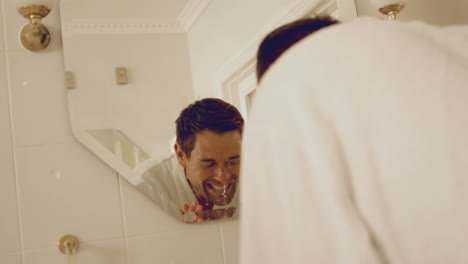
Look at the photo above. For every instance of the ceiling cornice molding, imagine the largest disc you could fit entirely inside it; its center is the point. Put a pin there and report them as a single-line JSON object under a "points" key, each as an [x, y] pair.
{"points": [[109, 26], [192, 11]]}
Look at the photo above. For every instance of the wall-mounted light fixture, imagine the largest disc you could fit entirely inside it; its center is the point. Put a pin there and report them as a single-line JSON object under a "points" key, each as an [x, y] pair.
{"points": [[35, 36], [390, 8]]}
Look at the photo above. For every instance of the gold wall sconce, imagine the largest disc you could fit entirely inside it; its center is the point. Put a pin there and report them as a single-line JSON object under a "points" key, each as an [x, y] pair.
{"points": [[35, 36], [390, 8]]}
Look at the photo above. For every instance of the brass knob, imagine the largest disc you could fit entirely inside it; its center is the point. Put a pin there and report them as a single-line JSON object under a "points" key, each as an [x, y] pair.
{"points": [[68, 244]]}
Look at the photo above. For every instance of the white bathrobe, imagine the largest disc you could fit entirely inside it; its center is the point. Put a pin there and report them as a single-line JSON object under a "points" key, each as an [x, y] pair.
{"points": [[357, 149]]}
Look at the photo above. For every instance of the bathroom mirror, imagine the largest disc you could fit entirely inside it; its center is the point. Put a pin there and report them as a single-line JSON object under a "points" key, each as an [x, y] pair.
{"points": [[132, 66]]}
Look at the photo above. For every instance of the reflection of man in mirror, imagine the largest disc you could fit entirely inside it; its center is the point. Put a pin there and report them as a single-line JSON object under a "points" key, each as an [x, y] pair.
{"points": [[199, 182], [208, 147]]}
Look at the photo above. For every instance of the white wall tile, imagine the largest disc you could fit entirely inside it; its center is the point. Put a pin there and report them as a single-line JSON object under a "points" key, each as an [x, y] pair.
{"points": [[11, 259], [144, 217], [196, 246], [65, 189], [230, 235], [40, 113], [9, 230], [15, 23], [97, 252]]}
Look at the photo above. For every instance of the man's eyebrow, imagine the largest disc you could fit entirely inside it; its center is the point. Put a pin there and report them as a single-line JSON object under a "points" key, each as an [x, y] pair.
{"points": [[212, 160]]}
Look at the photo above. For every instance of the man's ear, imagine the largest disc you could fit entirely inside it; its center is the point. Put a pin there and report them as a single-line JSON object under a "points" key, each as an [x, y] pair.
{"points": [[181, 157]]}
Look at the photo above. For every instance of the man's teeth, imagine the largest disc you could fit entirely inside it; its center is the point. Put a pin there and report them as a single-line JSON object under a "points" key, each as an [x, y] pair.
{"points": [[220, 187]]}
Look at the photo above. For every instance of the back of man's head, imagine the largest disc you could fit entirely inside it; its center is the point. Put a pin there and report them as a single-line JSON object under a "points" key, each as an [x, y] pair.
{"points": [[282, 38], [210, 113]]}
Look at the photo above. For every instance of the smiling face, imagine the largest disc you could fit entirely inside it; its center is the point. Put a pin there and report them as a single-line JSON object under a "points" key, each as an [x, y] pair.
{"points": [[213, 167]]}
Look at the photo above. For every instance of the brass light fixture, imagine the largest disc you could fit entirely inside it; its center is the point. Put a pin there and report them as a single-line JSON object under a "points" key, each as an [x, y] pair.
{"points": [[35, 36], [390, 8]]}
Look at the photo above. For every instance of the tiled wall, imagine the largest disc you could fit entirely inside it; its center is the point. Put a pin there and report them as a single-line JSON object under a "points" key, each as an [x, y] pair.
{"points": [[51, 185]]}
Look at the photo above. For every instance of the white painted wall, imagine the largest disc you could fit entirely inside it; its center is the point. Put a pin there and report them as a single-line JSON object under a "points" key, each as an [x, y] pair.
{"points": [[51, 185], [226, 28]]}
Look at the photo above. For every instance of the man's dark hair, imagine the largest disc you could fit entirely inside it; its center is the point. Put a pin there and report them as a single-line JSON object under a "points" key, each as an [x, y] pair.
{"points": [[282, 38], [210, 113]]}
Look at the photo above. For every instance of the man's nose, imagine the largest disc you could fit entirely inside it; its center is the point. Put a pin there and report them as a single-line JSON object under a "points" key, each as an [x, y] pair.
{"points": [[223, 175]]}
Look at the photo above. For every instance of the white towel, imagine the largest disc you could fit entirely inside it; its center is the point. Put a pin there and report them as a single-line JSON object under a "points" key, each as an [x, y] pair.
{"points": [[357, 149]]}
